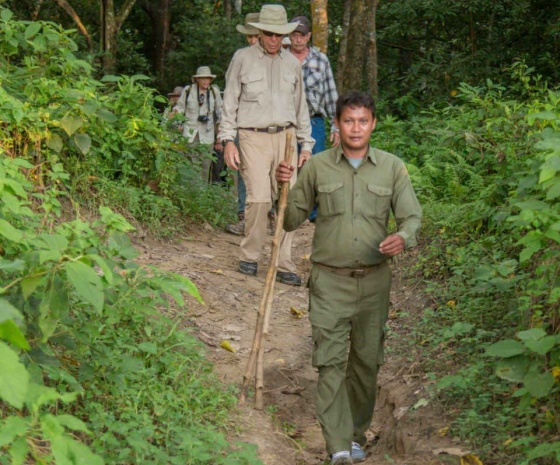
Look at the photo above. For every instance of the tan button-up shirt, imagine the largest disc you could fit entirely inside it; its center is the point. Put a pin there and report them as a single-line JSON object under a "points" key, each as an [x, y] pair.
{"points": [[262, 91], [353, 206]]}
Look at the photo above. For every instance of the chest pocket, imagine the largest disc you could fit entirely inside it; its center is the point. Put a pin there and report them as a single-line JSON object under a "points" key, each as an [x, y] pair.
{"points": [[378, 201], [253, 84], [330, 198], [288, 81]]}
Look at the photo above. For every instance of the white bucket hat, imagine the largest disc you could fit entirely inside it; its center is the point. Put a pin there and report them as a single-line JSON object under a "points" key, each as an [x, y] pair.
{"points": [[246, 28], [273, 18], [202, 72]]}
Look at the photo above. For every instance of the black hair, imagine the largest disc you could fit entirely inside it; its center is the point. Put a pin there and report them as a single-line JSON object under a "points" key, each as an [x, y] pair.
{"points": [[355, 99]]}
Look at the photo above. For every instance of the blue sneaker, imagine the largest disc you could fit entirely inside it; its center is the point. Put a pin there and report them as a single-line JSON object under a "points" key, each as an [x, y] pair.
{"points": [[358, 454]]}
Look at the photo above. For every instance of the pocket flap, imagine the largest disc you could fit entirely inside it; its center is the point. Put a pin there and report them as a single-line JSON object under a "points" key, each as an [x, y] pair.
{"points": [[378, 190], [253, 77], [329, 188]]}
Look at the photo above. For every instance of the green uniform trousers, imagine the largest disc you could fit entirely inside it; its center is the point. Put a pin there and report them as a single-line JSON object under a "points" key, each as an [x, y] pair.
{"points": [[348, 316]]}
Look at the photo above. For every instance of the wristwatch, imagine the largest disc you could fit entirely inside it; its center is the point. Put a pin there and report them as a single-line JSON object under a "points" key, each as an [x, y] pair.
{"points": [[225, 141]]}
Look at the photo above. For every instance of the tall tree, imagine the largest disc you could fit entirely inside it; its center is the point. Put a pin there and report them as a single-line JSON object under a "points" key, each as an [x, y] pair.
{"points": [[359, 70], [160, 17], [320, 24], [111, 23]]}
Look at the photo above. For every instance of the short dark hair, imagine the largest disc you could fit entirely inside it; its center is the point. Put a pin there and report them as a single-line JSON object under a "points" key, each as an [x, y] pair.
{"points": [[355, 99]]}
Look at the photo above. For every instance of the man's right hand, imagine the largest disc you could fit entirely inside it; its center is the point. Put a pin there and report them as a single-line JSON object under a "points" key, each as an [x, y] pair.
{"points": [[231, 156], [284, 172]]}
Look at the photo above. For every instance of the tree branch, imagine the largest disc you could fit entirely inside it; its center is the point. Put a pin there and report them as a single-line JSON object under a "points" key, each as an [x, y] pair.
{"points": [[68, 8]]}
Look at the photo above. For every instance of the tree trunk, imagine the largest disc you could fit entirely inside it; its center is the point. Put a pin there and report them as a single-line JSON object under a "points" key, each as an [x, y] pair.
{"points": [[227, 9], [160, 17], [68, 8], [359, 70], [320, 24], [371, 49], [110, 26], [343, 45]]}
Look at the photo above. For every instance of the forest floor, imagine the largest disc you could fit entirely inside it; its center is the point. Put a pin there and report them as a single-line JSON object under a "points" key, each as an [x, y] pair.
{"points": [[408, 427]]}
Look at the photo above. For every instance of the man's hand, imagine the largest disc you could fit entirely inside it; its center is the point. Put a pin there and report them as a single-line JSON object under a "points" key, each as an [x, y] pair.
{"points": [[284, 172], [335, 138], [304, 155], [218, 145], [231, 156], [392, 245]]}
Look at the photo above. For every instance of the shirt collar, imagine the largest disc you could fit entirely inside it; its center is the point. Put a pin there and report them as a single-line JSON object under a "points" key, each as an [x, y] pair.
{"points": [[370, 155]]}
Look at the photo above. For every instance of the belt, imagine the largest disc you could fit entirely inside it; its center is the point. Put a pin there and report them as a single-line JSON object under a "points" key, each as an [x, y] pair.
{"points": [[351, 272], [269, 129]]}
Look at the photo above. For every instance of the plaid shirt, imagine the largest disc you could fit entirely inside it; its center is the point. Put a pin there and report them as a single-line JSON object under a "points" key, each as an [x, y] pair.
{"points": [[320, 88]]}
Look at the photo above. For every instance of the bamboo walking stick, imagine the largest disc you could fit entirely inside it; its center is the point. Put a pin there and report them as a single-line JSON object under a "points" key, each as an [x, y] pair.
{"points": [[263, 315]]}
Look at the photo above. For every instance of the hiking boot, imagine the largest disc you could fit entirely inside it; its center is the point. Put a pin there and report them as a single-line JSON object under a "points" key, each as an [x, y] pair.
{"points": [[237, 229], [249, 268], [341, 458], [287, 277], [358, 454]]}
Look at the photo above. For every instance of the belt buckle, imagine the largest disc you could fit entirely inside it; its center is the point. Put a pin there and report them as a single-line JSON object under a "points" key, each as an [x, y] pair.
{"points": [[272, 129], [358, 273]]}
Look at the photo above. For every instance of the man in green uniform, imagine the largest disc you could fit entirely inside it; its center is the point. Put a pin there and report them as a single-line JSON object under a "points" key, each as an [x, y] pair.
{"points": [[355, 187]]}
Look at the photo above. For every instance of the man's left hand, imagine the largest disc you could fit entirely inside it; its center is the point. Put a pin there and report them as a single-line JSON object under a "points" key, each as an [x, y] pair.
{"points": [[392, 245], [304, 155]]}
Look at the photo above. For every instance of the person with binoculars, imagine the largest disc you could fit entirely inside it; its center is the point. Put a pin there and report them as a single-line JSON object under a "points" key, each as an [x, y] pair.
{"points": [[201, 104]]}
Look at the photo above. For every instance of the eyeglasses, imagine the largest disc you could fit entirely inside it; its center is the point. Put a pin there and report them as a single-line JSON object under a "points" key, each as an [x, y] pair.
{"points": [[270, 34]]}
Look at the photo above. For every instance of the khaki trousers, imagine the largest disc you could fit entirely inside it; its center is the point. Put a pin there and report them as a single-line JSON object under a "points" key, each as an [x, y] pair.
{"points": [[260, 154], [348, 317]]}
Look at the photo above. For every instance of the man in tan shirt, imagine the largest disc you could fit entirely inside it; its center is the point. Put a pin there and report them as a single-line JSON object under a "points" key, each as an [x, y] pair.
{"points": [[263, 99]]}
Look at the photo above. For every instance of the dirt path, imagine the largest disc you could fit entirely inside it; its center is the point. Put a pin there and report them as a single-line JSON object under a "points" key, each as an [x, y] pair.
{"points": [[406, 429]]}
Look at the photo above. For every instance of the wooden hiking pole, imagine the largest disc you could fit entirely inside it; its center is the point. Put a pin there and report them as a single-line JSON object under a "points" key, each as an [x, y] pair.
{"points": [[263, 316]]}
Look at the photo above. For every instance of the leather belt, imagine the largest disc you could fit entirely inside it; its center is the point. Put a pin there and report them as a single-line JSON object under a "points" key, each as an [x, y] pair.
{"points": [[351, 272], [269, 129]]}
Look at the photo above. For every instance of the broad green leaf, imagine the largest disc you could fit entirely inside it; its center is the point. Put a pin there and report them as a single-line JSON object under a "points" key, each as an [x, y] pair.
{"points": [[19, 451], [32, 29], [87, 283], [505, 348], [529, 251], [513, 368], [539, 384], [9, 312], [9, 232], [12, 265], [53, 307], [10, 332], [71, 124], [120, 242], [39, 396], [542, 346], [83, 142], [189, 287], [533, 334], [107, 116], [14, 379], [102, 264], [11, 428], [53, 242], [73, 423], [28, 285], [6, 15]]}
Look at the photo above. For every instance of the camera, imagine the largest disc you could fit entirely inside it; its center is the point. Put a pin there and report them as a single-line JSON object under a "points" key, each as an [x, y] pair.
{"points": [[203, 118]]}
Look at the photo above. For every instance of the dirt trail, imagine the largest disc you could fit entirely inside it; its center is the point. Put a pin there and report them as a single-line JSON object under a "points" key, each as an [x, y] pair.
{"points": [[406, 428]]}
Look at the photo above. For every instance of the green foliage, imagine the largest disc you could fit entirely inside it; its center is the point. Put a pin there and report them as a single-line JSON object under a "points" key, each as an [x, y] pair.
{"points": [[486, 169], [107, 135], [93, 373]]}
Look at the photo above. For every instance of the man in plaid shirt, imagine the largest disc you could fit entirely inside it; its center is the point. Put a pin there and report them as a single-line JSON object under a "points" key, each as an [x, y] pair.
{"points": [[320, 88]]}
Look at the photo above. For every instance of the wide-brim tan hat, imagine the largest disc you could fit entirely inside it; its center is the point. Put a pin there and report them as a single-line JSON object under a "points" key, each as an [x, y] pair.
{"points": [[273, 18], [202, 72], [247, 29]]}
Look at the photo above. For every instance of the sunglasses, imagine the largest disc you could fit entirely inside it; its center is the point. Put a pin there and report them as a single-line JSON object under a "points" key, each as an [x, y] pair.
{"points": [[270, 34]]}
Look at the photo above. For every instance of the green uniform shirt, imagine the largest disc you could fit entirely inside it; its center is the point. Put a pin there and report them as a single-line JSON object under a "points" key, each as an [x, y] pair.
{"points": [[353, 206]]}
